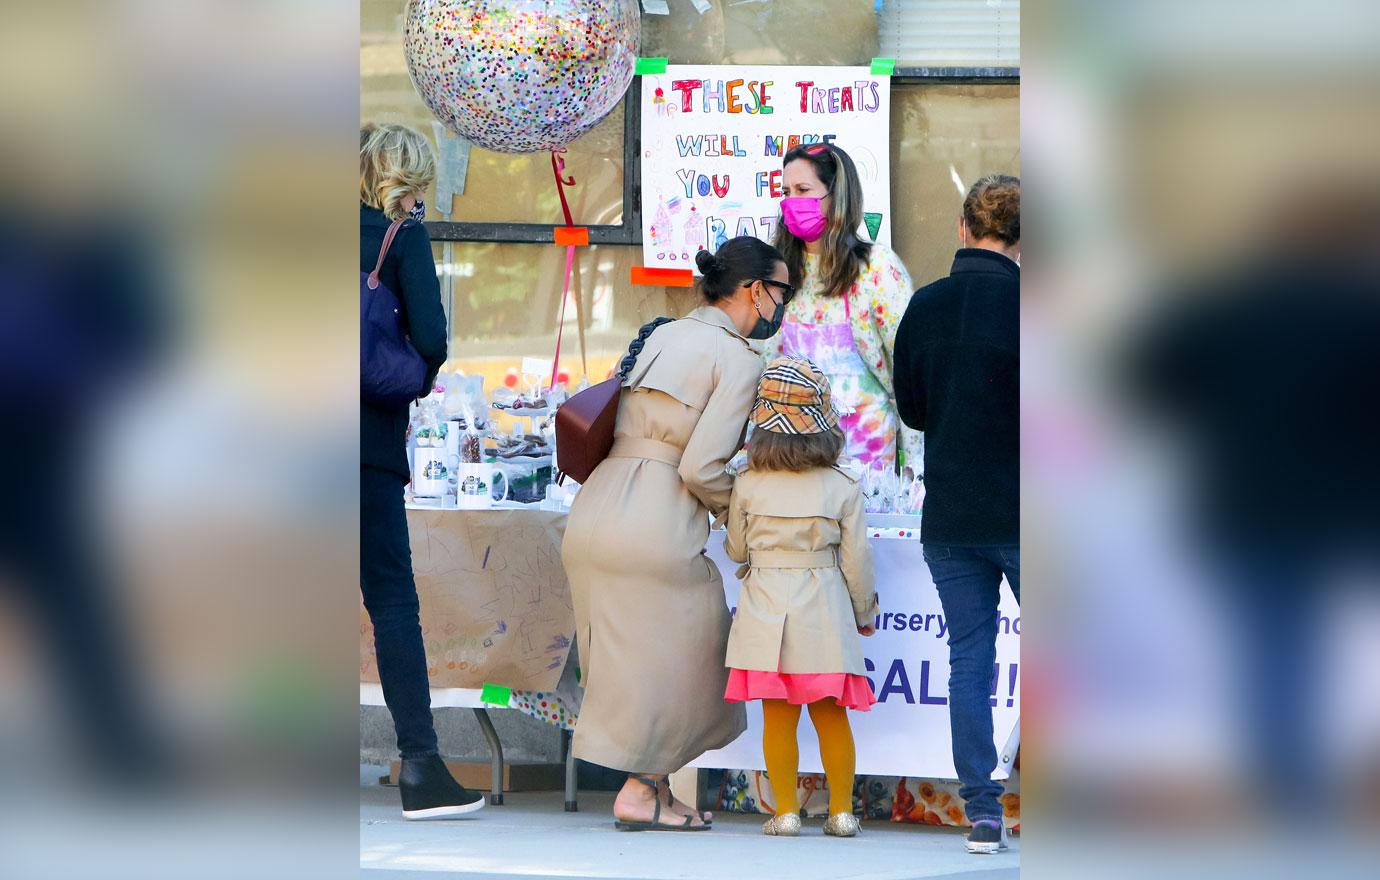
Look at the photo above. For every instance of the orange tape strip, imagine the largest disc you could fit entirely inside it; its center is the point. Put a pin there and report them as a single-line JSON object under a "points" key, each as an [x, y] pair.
{"points": [[572, 236], [663, 277]]}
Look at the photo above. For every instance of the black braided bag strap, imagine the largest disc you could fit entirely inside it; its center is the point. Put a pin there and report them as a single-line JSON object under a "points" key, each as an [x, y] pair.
{"points": [[635, 347]]}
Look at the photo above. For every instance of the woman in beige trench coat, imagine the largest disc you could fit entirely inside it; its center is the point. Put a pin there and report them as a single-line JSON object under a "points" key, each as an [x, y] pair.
{"points": [[651, 620]]}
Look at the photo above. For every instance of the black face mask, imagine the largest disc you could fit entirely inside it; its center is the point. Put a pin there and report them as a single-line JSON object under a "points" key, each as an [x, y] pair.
{"points": [[765, 329]]}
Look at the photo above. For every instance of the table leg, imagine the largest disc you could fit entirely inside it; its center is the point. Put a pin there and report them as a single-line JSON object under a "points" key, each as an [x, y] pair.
{"points": [[496, 755], [571, 806]]}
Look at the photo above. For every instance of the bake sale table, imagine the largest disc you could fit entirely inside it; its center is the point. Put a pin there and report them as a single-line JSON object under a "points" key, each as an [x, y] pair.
{"points": [[498, 624]]}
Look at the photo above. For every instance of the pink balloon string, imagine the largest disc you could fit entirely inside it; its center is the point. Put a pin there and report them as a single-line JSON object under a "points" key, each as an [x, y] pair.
{"points": [[557, 169]]}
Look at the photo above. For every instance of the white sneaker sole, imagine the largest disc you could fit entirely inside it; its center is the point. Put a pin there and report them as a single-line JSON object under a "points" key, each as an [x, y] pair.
{"points": [[985, 849], [443, 812], [988, 849]]}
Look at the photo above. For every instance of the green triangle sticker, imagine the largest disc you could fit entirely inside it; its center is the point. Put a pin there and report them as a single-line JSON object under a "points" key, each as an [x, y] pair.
{"points": [[874, 224]]}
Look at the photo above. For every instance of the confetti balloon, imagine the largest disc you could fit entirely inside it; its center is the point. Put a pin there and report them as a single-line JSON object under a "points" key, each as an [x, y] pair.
{"points": [[521, 76]]}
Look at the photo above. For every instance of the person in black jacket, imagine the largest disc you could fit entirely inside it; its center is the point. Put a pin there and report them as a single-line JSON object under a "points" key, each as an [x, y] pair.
{"points": [[957, 368], [395, 168]]}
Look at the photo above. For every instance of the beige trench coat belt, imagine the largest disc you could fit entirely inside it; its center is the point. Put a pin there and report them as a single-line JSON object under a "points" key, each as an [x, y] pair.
{"points": [[652, 450], [788, 559]]}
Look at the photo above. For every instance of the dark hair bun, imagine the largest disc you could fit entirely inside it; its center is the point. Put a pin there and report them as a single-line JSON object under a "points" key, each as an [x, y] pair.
{"points": [[736, 261], [709, 264]]}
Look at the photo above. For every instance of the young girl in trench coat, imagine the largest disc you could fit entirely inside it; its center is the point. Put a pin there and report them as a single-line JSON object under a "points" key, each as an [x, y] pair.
{"points": [[797, 523]]}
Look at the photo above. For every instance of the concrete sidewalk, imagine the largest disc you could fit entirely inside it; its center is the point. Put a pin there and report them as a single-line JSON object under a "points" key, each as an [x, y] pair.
{"points": [[531, 836]]}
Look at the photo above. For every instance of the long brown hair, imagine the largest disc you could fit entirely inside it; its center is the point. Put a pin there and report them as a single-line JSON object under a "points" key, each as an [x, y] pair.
{"points": [[770, 451], [844, 253]]}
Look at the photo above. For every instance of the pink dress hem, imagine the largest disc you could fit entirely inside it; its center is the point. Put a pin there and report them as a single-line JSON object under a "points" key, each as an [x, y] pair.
{"points": [[801, 688]]}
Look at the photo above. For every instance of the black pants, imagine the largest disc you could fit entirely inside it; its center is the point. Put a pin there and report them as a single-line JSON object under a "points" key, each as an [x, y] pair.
{"points": [[390, 597], [50, 557]]}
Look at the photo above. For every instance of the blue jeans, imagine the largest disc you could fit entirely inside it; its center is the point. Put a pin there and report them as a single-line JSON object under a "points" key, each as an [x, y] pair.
{"points": [[390, 597], [969, 582]]}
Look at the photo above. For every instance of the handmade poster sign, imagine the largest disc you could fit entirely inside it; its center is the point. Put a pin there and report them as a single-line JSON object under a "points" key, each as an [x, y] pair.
{"points": [[496, 607], [713, 138]]}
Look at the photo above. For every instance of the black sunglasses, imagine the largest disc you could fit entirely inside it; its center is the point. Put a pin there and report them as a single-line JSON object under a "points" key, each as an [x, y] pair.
{"points": [[787, 291]]}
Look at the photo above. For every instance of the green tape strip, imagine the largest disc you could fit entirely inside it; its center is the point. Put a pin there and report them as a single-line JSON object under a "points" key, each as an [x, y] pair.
{"points": [[496, 694], [883, 66], [651, 65]]}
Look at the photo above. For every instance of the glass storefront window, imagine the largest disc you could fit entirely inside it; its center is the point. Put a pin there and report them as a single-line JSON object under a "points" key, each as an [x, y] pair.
{"points": [[943, 138], [505, 302]]}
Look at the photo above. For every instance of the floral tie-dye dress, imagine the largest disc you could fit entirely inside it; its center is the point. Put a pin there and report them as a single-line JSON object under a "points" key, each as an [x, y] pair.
{"points": [[827, 330]]}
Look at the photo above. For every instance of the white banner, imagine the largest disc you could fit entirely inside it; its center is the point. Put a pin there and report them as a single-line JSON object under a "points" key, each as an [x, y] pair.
{"points": [[713, 137], [907, 731]]}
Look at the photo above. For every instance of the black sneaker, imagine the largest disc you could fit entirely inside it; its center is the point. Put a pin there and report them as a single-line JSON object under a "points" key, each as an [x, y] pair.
{"points": [[430, 792], [987, 837]]}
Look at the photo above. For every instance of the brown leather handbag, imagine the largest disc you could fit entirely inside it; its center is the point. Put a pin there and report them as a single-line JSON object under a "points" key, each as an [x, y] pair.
{"points": [[584, 429], [584, 423]]}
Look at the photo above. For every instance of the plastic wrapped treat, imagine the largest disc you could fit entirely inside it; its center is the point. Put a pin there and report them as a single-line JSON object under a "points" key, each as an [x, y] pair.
{"points": [[472, 424]]}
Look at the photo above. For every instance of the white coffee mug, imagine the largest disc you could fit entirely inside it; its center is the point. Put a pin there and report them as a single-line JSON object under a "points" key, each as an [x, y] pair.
{"points": [[474, 485], [429, 472]]}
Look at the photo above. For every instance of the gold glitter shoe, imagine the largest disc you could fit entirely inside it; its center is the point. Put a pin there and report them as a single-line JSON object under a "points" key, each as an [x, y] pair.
{"points": [[787, 825], [842, 825]]}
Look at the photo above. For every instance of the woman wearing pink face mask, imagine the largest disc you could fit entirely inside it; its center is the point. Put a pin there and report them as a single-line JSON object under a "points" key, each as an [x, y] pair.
{"points": [[851, 296]]}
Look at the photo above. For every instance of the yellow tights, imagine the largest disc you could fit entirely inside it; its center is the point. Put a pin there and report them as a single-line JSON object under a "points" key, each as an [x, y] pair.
{"points": [[780, 721]]}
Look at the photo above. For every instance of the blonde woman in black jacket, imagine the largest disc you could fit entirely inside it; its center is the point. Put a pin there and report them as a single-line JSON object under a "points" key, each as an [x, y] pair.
{"points": [[395, 168]]}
